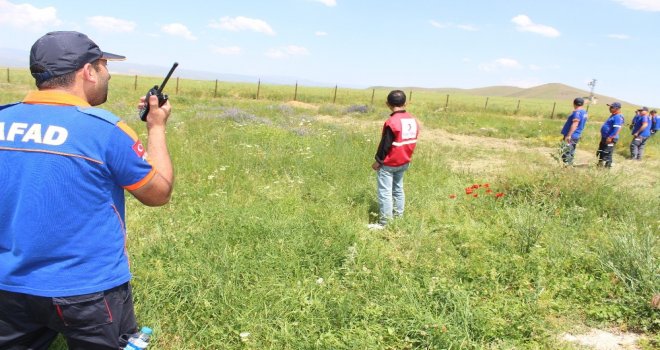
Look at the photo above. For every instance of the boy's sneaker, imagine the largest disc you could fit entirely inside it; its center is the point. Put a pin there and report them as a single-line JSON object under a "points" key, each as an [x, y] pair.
{"points": [[375, 226]]}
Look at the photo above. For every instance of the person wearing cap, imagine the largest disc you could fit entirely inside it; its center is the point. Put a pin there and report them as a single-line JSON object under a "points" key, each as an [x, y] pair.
{"points": [[572, 130], [641, 131], [634, 119], [655, 122], [65, 166], [395, 150], [609, 135]]}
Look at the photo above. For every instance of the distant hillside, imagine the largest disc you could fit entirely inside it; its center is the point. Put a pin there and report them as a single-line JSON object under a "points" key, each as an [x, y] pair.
{"points": [[13, 58], [551, 91], [557, 91], [496, 91]]}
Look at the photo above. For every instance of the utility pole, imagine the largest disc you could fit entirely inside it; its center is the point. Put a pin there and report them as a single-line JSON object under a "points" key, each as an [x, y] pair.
{"points": [[592, 83]]}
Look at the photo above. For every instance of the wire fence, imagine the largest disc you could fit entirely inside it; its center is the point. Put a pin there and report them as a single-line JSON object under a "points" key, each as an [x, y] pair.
{"points": [[434, 100]]}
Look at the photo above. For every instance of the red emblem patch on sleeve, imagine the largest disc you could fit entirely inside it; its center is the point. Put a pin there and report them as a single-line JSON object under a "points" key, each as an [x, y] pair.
{"points": [[139, 149]]}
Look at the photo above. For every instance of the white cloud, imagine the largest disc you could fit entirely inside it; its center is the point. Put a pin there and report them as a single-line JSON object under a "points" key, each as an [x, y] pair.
{"points": [[178, 29], [227, 50], [320, 33], [467, 27], [287, 51], [241, 23], [507, 62], [642, 5], [294, 50], [329, 3], [111, 24], [275, 53], [500, 63], [26, 16], [525, 24], [619, 36], [439, 25]]}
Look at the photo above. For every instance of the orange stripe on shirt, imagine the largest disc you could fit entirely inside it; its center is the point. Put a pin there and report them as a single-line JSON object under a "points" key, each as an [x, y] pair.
{"points": [[142, 182], [51, 152], [51, 97], [128, 130], [133, 135]]}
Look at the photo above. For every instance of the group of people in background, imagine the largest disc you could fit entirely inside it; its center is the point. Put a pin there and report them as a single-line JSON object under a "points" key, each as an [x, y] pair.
{"points": [[644, 124]]}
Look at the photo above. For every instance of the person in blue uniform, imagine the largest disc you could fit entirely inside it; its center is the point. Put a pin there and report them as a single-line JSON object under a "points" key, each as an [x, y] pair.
{"points": [[609, 135], [572, 130], [65, 166], [641, 131]]}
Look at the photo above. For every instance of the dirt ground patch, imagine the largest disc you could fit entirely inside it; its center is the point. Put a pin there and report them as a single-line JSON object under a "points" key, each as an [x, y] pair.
{"points": [[439, 136], [302, 105], [644, 172], [603, 340]]}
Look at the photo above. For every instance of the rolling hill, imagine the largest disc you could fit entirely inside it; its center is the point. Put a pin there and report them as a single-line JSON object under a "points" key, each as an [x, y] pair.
{"points": [[550, 91]]}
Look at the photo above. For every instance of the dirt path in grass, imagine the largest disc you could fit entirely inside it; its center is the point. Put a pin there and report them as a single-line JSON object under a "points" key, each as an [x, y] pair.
{"points": [[603, 340], [501, 151], [494, 163]]}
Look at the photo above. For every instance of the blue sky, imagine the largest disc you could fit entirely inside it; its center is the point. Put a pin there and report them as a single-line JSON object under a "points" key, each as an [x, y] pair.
{"points": [[360, 43]]}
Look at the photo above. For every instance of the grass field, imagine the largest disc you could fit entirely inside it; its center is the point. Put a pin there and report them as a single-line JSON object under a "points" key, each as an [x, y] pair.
{"points": [[264, 244]]}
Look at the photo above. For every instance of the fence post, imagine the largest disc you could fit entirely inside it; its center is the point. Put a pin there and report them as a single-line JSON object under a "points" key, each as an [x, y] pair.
{"points": [[334, 98], [373, 92], [135, 83], [176, 92], [447, 102], [215, 92], [410, 98], [552, 115], [295, 93], [518, 107], [8, 80], [258, 88], [486, 105]]}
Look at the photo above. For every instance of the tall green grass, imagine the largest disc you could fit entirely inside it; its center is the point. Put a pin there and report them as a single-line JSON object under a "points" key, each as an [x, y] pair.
{"points": [[265, 246]]}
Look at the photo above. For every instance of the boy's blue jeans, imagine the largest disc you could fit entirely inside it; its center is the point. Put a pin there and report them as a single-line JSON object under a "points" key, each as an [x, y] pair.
{"points": [[391, 198]]}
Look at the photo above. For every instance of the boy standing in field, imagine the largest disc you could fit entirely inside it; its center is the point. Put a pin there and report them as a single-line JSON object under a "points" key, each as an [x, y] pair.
{"points": [[573, 130], [397, 144]]}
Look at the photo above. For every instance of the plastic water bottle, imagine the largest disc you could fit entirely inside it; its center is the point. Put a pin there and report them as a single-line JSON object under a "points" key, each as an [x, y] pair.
{"points": [[140, 340]]}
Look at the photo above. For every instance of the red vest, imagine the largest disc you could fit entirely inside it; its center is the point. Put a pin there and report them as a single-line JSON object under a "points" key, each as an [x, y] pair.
{"points": [[405, 129]]}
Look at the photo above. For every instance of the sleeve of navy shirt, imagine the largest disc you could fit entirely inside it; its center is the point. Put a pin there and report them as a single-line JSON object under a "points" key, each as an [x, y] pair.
{"points": [[617, 123], [127, 158], [385, 144]]}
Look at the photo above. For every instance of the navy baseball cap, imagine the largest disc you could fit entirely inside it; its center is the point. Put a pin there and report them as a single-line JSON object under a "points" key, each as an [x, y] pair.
{"points": [[615, 105], [579, 101], [58, 53]]}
